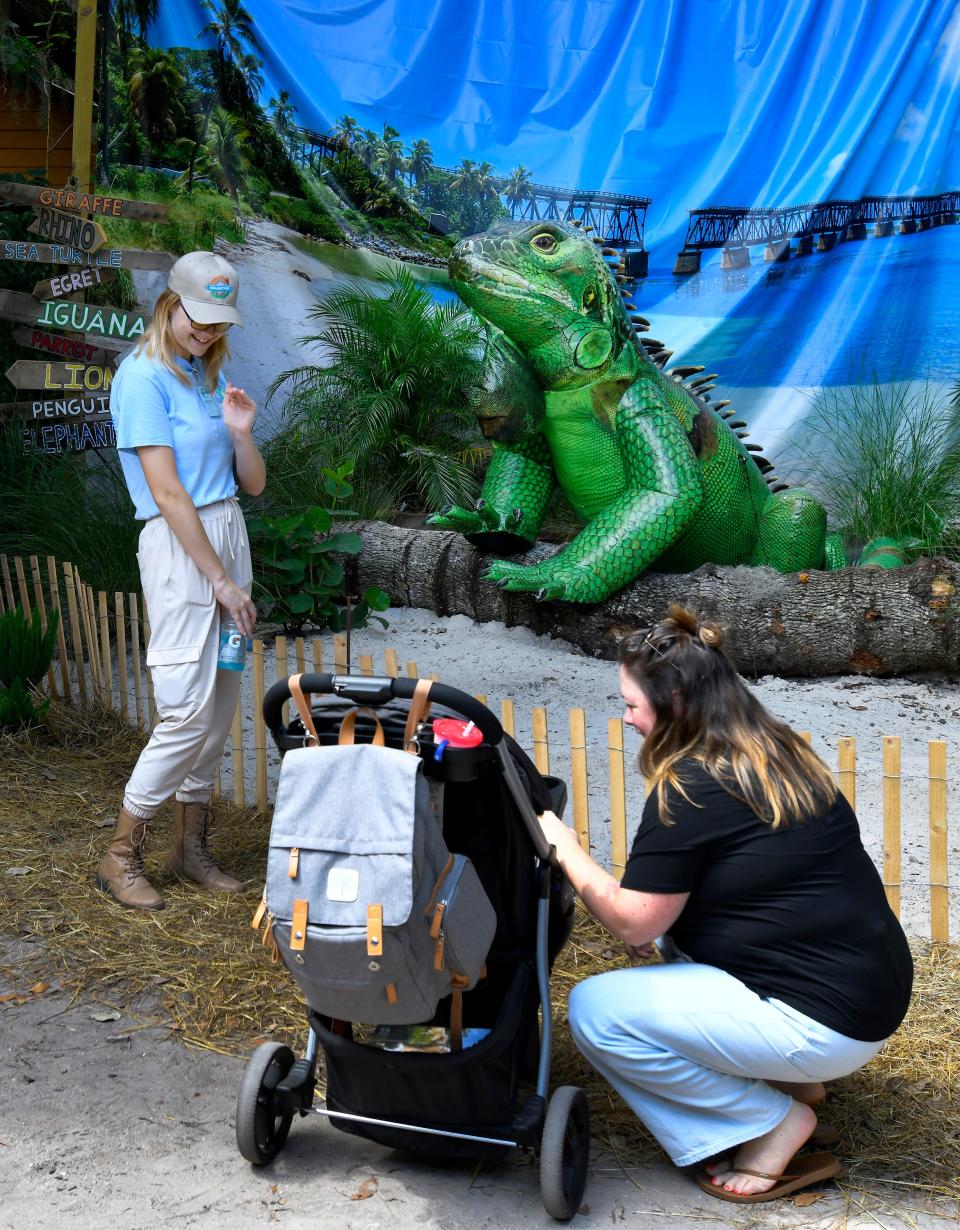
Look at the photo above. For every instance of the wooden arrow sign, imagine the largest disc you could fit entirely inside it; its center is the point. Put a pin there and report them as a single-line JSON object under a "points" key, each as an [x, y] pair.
{"points": [[84, 202], [66, 347], [90, 318], [107, 322], [63, 254], [69, 229], [95, 431], [59, 407], [67, 283], [66, 377]]}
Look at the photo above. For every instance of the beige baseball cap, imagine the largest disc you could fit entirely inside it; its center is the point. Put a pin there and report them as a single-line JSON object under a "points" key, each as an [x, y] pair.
{"points": [[207, 286]]}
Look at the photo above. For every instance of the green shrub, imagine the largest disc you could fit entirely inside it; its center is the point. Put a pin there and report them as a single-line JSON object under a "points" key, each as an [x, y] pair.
{"points": [[26, 651], [297, 571], [392, 396], [18, 708], [885, 461], [25, 648]]}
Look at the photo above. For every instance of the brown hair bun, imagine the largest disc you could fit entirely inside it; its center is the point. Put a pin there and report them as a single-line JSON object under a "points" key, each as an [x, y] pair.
{"points": [[711, 634]]}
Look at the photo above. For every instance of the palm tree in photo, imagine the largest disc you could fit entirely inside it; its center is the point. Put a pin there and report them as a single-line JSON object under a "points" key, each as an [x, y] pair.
{"points": [[223, 157], [155, 91], [231, 27], [518, 188], [486, 183], [119, 19], [389, 158], [465, 179], [346, 128], [420, 161], [283, 114], [367, 147]]}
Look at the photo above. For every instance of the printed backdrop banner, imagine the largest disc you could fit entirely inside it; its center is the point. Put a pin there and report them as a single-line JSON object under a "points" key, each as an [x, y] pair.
{"points": [[696, 105]]}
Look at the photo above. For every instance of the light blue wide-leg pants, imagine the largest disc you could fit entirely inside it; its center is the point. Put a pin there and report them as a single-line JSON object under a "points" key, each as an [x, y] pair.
{"points": [[689, 1048]]}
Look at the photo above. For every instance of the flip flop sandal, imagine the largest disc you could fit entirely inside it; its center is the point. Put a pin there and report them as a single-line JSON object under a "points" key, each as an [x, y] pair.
{"points": [[804, 1171], [822, 1137]]}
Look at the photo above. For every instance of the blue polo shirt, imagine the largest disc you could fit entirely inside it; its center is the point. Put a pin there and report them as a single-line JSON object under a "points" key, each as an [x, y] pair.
{"points": [[150, 406]]}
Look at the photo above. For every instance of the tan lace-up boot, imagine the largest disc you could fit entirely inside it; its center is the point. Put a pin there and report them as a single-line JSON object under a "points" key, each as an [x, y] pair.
{"points": [[121, 872], [189, 856]]}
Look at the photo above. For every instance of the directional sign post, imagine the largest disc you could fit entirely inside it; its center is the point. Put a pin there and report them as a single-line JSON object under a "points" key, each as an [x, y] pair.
{"points": [[93, 404], [66, 347], [52, 438], [84, 202], [26, 250], [103, 320], [67, 283], [71, 229], [66, 377]]}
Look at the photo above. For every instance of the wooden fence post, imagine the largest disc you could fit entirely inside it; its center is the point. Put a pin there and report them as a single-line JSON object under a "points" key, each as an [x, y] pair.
{"points": [[508, 718], [541, 747], [61, 634], [236, 755], [135, 657], [41, 607], [618, 798], [71, 592], [578, 774], [847, 765], [259, 726], [120, 626], [939, 874], [891, 822]]}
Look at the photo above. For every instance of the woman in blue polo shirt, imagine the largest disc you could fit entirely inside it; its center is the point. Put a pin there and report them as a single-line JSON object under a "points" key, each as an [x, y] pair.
{"points": [[185, 442]]}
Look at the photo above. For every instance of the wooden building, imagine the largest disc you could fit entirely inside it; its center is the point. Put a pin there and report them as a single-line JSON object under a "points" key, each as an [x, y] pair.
{"points": [[36, 138]]}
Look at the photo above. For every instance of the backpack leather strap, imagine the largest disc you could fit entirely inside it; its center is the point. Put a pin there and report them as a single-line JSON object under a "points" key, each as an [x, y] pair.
{"points": [[419, 708], [309, 730], [349, 724]]}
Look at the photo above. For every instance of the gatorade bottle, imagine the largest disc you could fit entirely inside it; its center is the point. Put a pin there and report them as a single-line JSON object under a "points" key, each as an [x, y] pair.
{"points": [[233, 645]]}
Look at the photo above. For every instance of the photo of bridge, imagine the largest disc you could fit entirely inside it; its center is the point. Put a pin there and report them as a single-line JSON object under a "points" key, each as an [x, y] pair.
{"points": [[735, 229], [617, 218]]}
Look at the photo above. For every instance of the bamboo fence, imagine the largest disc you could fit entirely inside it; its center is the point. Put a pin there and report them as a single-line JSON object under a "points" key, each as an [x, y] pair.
{"points": [[99, 658]]}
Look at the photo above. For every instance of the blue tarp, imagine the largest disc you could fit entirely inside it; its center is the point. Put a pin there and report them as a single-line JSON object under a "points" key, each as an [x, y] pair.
{"points": [[692, 103]]}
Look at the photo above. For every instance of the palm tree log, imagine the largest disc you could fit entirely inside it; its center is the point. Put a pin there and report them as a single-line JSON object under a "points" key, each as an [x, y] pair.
{"points": [[855, 621]]}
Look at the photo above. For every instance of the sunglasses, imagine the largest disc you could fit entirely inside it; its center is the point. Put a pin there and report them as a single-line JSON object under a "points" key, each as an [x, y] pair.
{"points": [[217, 330], [660, 653]]}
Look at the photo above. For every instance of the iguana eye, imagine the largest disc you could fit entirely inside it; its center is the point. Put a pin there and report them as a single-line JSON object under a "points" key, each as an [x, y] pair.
{"points": [[589, 297], [544, 243]]}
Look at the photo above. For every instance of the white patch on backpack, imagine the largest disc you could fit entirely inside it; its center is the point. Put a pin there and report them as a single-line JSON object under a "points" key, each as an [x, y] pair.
{"points": [[343, 884]]}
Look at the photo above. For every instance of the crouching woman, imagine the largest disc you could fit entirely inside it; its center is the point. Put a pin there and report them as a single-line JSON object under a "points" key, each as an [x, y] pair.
{"points": [[785, 966]]}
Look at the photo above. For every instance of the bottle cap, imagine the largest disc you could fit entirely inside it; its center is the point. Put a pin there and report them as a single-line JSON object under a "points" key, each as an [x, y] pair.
{"points": [[456, 732]]}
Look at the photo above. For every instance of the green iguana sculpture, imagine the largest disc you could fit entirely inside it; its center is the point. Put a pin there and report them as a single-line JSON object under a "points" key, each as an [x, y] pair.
{"points": [[577, 398]]}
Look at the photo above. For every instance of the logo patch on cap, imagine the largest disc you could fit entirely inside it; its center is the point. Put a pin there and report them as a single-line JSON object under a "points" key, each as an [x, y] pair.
{"points": [[219, 287]]}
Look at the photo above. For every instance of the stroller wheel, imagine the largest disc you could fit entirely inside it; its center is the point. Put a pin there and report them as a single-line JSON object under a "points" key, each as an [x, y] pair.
{"points": [[263, 1120], [565, 1152]]}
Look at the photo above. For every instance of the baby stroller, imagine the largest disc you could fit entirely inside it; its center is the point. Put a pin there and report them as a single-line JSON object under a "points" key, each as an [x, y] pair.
{"points": [[492, 1097]]}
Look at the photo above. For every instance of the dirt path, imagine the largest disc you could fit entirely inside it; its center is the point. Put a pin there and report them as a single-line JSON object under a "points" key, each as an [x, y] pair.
{"points": [[114, 1123]]}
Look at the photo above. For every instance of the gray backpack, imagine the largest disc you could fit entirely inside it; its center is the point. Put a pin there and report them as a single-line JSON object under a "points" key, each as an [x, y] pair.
{"points": [[375, 918]]}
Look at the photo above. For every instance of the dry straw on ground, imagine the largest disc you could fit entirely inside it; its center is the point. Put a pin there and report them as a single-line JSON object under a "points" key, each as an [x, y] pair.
{"points": [[198, 966]]}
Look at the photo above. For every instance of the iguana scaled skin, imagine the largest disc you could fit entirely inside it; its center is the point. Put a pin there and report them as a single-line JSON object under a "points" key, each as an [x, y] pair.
{"points": [[656, 474]]}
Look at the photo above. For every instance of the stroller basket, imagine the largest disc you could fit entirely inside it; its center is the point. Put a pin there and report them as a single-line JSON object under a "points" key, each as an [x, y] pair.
{"points": [[491, 1097]]}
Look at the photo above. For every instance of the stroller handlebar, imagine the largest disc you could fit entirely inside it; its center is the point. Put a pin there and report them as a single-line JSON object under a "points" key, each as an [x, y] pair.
{"points": [[377, 690]]}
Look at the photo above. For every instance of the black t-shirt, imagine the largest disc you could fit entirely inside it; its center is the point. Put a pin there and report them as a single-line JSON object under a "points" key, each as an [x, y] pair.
{"points": [[796, 913]]}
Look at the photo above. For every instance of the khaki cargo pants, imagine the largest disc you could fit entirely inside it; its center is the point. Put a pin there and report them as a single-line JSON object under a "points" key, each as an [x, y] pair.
{"points": [[195, 702]]}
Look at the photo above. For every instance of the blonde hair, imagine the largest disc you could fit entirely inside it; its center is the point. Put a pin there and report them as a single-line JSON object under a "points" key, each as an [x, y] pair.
{"points": [[705, 712], [158, 343]]}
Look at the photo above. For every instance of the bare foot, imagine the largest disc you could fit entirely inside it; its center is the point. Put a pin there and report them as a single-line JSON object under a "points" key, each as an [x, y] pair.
{"points": [[811, 1093], [770, 1154]]}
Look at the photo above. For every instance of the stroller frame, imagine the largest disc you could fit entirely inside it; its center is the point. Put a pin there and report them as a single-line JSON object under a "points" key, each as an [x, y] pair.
{"points": [[277, 1085]]}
